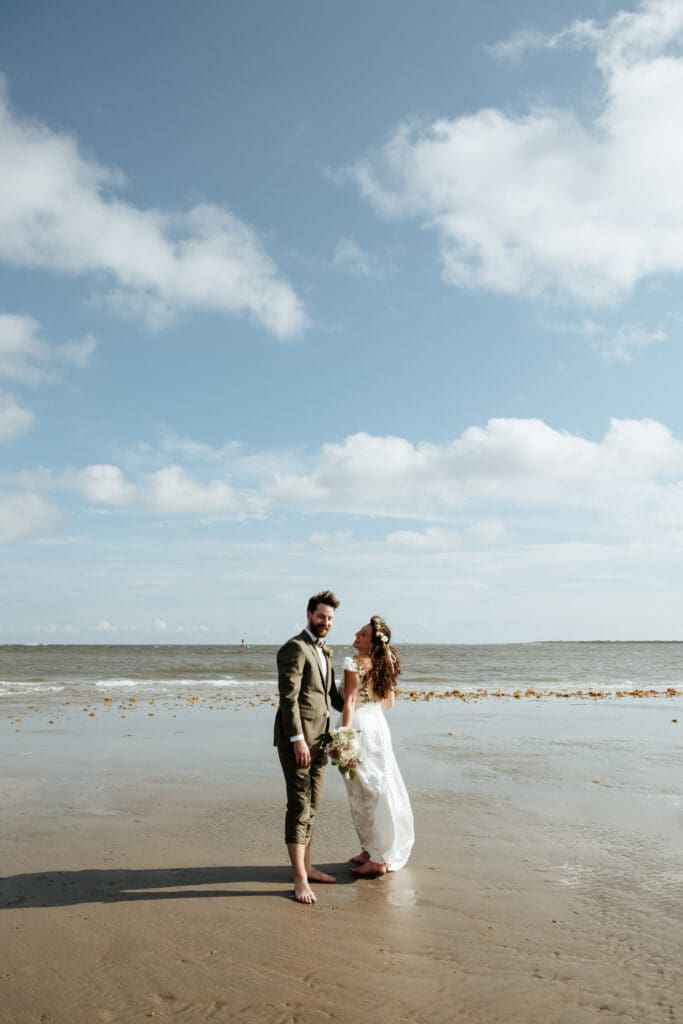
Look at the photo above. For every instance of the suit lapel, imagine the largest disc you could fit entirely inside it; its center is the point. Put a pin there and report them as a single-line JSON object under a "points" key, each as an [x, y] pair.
{"points": [[313, 656]]}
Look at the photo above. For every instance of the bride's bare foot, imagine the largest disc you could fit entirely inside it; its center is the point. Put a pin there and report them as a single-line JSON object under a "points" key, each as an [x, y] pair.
{"points": [[371, 869], [361, 858], [314, 875]]}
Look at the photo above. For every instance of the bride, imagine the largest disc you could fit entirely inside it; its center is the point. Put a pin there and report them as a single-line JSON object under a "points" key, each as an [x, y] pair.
{"points": [[380, 807]]}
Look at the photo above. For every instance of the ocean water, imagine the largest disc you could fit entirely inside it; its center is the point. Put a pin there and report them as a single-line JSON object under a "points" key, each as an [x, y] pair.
{"points": [[84, 672]]}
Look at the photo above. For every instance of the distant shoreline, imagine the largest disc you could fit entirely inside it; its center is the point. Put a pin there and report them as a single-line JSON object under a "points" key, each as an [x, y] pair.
{"points": [[399, 643]]}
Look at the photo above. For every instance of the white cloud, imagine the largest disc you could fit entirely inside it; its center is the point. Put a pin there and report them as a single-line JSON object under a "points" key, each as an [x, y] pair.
{"points": [[509, 473], [169, 491], [172, 492], [485, 533], [334, 537], [25, 357], [104, 626], [14, 418], [615, 344], [22, 351], [525, 462], [52, 627], [78, 353], [579, 33], [196, 451], [24, 354], [59, 211], [349, 256], [102, 484], [161, 625], [545, 203], [432, 539], [629, 339], [26, 516]]}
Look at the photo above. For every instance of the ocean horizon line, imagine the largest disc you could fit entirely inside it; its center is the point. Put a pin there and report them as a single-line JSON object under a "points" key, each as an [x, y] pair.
{"points": [[277, 643]]}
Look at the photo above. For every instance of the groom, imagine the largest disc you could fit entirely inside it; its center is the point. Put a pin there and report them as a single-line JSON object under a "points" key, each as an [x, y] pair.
{"points": [[306, 687]]}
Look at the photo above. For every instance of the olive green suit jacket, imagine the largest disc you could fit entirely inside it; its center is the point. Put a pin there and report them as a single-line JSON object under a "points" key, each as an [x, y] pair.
{"points": [[305, 696]]}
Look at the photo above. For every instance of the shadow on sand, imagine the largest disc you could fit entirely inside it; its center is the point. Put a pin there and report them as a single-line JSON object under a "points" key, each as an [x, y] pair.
{"points": [[68, 888]]}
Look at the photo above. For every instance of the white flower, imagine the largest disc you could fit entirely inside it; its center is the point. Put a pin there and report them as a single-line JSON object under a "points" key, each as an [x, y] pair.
{"points": [[343, 749]]}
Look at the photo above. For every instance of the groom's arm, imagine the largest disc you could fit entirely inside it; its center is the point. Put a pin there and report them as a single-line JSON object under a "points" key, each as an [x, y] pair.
{"points": [[290, 669]]}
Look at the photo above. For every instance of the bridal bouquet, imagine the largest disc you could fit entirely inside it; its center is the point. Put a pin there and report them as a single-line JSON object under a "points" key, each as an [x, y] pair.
{"points": [[342, 747]]}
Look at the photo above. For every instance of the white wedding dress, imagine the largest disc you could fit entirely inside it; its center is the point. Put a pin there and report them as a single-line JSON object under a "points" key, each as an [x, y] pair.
{"points": [[379, 801]]}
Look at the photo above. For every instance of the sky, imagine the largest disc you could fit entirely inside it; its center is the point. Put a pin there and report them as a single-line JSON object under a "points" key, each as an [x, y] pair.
{"points": [[383, 297]]}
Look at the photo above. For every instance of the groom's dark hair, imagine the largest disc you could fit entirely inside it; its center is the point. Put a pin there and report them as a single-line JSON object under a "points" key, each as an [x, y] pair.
{"points": [[324, 597]]}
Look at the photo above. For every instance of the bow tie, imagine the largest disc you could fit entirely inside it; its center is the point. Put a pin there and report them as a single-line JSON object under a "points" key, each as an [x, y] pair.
{"points": [[320, 643]]}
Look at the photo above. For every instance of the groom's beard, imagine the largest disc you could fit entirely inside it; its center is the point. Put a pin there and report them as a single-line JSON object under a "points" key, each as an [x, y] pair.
{"points": [[319, 631]]}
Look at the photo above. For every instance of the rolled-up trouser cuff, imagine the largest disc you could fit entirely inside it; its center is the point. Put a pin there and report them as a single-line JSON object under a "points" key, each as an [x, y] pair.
{"points": [[304, 788]]}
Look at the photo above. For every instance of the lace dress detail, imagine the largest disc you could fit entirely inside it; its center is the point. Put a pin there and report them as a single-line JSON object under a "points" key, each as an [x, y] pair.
{"points": [[351, 665], [379, 802]]}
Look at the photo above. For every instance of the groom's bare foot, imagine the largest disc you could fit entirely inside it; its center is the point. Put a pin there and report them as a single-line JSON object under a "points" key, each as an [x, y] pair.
{"points": [[361, 858], [302, 891], [314, 875]]}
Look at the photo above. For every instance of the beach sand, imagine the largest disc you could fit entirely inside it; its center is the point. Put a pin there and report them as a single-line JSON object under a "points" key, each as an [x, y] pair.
{"points": [[145, 875]]}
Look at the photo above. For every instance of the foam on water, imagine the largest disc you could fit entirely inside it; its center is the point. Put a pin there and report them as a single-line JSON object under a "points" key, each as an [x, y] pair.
{"points": [[163, 685], [11, 689]]}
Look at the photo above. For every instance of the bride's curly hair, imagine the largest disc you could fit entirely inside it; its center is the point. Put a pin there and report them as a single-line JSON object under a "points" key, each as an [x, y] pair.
{"points": [[386, 664]]}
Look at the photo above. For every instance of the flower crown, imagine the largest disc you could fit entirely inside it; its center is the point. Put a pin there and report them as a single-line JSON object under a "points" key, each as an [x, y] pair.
{"points": [[382, 637]]}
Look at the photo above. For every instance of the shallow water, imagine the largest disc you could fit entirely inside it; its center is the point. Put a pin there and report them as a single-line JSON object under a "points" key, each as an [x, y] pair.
{"points": [[85, 672]]}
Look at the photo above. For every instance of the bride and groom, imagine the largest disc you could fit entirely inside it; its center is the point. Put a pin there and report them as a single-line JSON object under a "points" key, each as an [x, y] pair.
{"points": [[379, 803]]}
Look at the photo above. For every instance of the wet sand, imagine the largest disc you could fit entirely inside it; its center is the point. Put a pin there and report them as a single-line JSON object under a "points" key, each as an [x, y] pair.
{"points": [[145, 875]]}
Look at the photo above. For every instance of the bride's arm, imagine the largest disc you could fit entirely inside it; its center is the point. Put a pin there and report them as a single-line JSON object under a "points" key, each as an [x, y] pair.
{"points": [[351, 690], [388, 701]]}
